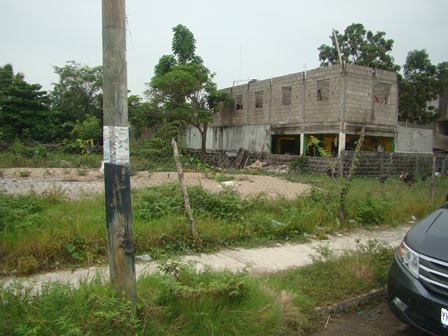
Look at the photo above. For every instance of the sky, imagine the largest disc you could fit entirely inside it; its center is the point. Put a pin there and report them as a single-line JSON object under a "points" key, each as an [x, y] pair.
{"points": [[237, 39]]}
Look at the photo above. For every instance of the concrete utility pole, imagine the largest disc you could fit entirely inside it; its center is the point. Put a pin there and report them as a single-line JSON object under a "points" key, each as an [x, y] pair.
{"points": [[116, 152], [337, 46]]}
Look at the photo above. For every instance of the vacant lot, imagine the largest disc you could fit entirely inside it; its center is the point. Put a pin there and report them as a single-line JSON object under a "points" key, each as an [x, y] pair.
{"points": [[75, 183]]}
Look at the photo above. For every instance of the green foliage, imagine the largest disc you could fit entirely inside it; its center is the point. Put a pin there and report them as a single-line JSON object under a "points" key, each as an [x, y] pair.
{"points": [[226, 207], [184, 45], [371, 210], [164, 65], [19, 212], [93, 309], [25, 109], [20, 154], [315, 147], [36, 231], [333, 279], [361, 47], [158, 147], [83, 252], [85, 146], [156, 202], [20, 150], [420, 85], [39, 233], [77, 94], [185, 283], [183, 301], [183, 88], [88, 129], [142, 115]]}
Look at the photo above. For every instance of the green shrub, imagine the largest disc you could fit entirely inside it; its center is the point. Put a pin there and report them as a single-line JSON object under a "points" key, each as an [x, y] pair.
{"points": [[90, 128], [154, 203], [20, 212], [371, 210], [36, 152]]}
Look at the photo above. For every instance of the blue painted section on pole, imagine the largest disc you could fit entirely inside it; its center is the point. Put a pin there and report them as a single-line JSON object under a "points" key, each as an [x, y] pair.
{"points": [[119, 226]]}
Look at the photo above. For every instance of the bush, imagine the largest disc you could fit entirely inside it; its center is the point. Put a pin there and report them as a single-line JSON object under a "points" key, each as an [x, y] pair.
{"points": [[19, 212], [90, 128], [20, 150], [154, 203]]}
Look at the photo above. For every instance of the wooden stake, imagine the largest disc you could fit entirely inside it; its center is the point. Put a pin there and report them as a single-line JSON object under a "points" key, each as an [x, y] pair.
{"points": [[183, 186]]}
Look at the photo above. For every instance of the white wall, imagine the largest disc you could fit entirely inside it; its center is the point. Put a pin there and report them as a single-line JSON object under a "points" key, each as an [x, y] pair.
{"points": [[414, 140], [251, 138]]}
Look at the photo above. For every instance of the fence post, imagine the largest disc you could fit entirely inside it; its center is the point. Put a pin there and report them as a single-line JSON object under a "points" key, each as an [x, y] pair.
{"points": [[433, 170], [381, 163], [183, 187], [352, 171]]}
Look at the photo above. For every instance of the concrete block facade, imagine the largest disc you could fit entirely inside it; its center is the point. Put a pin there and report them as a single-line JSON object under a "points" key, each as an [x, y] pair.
{"points": [[332, 103]]}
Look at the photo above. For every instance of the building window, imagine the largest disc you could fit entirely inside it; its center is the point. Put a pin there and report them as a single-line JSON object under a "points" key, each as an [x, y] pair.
{"points": [[286, 95], [239, 102], [323, 90], [381, 93], [259, 99]]}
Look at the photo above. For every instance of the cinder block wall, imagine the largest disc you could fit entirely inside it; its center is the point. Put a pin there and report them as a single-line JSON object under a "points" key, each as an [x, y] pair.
{"points": [[325, 95]]}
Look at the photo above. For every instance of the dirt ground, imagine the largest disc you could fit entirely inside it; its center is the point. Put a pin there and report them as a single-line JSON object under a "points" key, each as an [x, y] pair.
{"points": [[375, 320], [75, 183]]}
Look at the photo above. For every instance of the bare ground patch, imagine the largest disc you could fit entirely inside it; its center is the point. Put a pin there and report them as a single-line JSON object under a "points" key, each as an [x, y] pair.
{"points": [[78, 182]]}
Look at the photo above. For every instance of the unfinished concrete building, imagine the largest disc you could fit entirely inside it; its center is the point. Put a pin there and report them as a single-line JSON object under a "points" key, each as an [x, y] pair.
{"points": [[281, 115]]}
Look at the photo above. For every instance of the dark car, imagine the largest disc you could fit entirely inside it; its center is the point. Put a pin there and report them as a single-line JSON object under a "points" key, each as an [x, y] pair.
{"points": [[417, 288]]}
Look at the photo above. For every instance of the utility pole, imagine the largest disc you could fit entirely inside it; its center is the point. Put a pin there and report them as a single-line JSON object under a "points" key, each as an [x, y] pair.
{"points": [[337, 46], [116, 152]]}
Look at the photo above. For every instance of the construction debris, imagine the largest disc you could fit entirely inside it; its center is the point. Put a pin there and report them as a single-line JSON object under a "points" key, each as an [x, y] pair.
{"points": [[257, 165], [228, 186]]}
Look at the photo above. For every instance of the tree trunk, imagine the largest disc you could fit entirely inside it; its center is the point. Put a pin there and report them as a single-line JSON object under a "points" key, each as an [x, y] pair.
{"points": [[203, 144]]}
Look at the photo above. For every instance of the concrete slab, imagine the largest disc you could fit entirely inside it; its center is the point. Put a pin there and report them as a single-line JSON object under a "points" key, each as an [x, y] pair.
{"points": [[259, 260]]}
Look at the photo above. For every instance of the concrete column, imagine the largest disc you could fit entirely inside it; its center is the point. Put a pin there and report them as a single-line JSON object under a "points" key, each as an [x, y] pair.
{"points": [[341, 145], [302, 144]]}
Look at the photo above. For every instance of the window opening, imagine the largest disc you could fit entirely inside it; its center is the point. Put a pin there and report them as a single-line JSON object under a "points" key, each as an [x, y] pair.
{"points": [[259, 99], [323, 90], [286, 95], [239, 102], [381, 93]]}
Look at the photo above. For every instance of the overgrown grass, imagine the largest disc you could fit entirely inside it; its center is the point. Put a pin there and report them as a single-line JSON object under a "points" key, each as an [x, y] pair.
{"points": [[181, 301], [41, 233]]}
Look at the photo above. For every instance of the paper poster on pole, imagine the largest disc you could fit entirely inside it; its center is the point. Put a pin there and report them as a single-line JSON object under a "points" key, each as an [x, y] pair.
{"points": [[116, 145]]}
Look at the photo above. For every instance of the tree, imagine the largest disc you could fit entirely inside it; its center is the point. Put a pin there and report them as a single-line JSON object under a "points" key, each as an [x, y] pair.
{"points": [[78, 93], [442, 77], [142, 115], [7, 76], [419, 86], [361, 47], [89, 129], [24, 109], [183, 89]]}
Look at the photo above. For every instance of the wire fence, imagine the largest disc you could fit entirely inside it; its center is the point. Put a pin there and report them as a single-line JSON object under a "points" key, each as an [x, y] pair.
{"points": [[241, 172]]}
